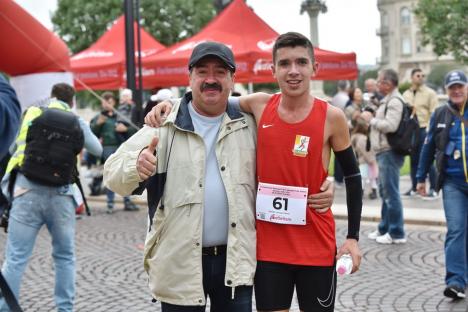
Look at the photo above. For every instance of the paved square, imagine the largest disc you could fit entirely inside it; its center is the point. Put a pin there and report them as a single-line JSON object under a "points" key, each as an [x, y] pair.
{"points": [[110, 274]]}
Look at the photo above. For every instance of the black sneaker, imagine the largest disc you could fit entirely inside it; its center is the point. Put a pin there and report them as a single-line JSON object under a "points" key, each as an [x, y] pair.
{"points": [[373, 194], [110, 209], [130, 206], [409, 193], [454, 292]]}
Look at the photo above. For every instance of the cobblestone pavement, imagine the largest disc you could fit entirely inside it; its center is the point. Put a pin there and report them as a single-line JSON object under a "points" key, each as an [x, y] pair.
{"points": [[110, 276]]}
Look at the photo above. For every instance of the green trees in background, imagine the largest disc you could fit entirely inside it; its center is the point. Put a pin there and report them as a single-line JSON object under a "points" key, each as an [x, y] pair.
{"points": [[81, 22], [444, 25]]}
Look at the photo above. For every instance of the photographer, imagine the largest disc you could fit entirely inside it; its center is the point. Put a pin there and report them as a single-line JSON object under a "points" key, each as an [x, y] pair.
{"points": [[371, 95]]}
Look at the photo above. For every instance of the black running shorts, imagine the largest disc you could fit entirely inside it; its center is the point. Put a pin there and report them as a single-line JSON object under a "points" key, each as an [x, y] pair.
{"points": [[274, 287]]}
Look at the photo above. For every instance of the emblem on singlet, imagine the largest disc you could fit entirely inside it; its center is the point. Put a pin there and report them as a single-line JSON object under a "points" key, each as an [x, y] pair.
{"points": [[301, 144]]}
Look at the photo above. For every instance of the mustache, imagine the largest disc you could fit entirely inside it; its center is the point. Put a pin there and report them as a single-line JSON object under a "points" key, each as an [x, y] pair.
{"points": [[211, 86]]}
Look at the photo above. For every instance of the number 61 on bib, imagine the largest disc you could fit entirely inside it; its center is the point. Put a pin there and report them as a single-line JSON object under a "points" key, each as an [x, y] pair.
{"points": [[281, 204]]}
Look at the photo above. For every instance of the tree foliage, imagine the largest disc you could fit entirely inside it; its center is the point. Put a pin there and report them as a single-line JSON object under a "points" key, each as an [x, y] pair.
{"points": [[436, 77], [81, 22], [444, 25]]}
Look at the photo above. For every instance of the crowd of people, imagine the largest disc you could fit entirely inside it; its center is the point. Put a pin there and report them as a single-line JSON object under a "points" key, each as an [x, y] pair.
{"points": [[255, 210], [441, 138]]}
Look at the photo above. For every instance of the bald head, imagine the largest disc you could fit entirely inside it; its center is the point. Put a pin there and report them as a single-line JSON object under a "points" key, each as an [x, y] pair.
{"points": [[370, 85]]}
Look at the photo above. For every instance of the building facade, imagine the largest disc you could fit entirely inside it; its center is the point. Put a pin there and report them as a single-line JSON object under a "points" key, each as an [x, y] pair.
{"points": [[401, 40]]}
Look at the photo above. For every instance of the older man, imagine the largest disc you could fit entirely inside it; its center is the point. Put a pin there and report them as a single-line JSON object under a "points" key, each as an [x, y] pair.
{"points": [[447, 143], [202, 240], [386, 120]]}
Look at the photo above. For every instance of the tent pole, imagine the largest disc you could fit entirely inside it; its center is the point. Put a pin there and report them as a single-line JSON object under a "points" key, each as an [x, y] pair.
{"points": [[139, 99], [250, 87], [129, 45]]}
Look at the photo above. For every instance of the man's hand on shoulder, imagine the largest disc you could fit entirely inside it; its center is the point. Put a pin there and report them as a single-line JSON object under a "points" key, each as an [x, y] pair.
{"points": [[322, 201], [158, 114]]}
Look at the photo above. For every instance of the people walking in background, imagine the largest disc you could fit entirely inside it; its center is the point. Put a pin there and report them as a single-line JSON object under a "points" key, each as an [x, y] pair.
{"points": [[365, 156], [386, 120], [38, 202], [106, 128], [447, 143], [339, 100], [424, 101]]}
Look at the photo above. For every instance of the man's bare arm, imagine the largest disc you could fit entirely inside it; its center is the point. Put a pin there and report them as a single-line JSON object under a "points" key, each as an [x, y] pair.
{"points": [[254, 104]]}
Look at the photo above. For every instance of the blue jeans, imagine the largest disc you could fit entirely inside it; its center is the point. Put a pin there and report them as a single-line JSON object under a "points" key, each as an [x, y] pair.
{"points": [[42, 205], [455, 197], [389, 189], [214, 268], [415, 162]]}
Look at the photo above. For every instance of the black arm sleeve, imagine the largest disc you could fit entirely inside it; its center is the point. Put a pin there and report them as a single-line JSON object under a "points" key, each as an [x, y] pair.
{"points": [[352, 177]]}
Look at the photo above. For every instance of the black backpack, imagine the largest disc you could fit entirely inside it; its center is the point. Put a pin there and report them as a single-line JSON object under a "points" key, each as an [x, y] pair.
{"points": [[405, 139], [53, 142]]}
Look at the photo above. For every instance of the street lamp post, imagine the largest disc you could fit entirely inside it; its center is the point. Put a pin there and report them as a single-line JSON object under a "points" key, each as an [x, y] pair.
{"points": [[313, 8]]}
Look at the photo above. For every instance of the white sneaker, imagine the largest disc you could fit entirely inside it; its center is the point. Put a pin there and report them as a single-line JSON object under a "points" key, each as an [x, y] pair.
{"points": [[373, 235], [432, 195], [387, 239]]}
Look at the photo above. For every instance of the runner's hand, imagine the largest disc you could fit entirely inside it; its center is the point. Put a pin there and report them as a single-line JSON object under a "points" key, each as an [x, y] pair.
{"points": [[158, 114], [350, 246], [146, 162]]}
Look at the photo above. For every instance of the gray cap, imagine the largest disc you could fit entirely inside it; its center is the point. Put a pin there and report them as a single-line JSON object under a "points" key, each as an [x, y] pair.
{"points": [[211, 48]]}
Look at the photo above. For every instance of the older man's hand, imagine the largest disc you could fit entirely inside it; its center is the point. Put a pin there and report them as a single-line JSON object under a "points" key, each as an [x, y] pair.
{"points": [[146, 162], [322, 201]]}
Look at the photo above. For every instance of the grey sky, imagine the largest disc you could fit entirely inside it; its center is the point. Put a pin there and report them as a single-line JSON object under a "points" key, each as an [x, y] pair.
{"points": [[349, 25]]}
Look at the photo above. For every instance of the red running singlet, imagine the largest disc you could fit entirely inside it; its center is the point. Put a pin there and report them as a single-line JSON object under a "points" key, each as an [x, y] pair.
{"points": [[279, 163]]}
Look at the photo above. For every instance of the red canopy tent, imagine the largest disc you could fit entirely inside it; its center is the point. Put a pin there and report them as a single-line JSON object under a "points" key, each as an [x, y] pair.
{"points": [[251, 40], [102, 65], [33, 56], [28, 47]]}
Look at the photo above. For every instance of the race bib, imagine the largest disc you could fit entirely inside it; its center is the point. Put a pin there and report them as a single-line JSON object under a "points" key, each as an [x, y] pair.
{"points": [[281, 204]]}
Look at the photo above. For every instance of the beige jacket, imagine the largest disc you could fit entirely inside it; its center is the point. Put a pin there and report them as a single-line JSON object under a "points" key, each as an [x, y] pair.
{"points": [[359, 142], [424, 100], [386, 123], [173, 247]]}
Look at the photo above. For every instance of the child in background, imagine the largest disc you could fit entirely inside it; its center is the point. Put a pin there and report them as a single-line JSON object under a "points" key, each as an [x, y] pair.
{"points": [[365, 156]]}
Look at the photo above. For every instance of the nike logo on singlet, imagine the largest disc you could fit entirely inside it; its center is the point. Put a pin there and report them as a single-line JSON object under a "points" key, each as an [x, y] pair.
{"points": [[266, 126]]}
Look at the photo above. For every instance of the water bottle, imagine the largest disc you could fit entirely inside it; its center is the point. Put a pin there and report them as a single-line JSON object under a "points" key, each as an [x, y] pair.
{"points": [[344, 265]]}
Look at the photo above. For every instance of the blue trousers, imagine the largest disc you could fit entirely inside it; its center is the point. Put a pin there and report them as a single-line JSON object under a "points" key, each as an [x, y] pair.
{"points": [[455, 198], [214, 268], [389, 188]]}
